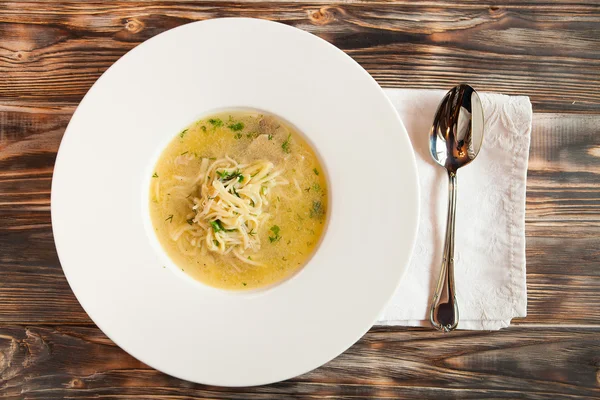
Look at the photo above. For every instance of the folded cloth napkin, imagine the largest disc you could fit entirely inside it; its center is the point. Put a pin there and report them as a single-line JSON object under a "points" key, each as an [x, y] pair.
{"points": [[490, 216]]}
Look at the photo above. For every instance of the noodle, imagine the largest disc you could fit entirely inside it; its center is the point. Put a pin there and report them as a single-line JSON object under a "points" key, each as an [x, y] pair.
{"points": [[230, 204]]}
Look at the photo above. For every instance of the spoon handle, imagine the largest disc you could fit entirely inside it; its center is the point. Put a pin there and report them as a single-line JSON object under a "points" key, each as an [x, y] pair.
{"points": [[444, 309]]}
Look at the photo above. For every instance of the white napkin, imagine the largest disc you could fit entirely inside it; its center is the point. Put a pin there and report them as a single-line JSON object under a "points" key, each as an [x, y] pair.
{"points": [[490, 224]]}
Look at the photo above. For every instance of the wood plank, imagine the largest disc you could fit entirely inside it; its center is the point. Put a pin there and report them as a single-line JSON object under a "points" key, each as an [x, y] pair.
{"points": [[563, 179], [52, 53], [535, 363], [563, 219], [562, 252], [33, 287]]}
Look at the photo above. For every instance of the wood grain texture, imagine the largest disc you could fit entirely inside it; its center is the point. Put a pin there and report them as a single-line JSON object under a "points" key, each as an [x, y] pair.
{"points": [[47, 362], [51, 53]]}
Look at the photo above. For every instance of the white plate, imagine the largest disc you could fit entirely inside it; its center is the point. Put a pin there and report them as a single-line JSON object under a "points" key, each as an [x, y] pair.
{"points": [[100, 195]]}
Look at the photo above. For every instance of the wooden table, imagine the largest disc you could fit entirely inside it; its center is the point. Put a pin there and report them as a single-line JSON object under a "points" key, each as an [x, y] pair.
{"points": [[52, 52]]}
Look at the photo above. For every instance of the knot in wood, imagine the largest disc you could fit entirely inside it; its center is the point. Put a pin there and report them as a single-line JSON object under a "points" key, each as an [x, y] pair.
{"points": [[323, 16], [134, 26]]}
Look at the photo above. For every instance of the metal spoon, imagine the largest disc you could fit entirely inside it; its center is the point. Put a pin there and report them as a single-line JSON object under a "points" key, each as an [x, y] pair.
{"points": [[455, 140]]}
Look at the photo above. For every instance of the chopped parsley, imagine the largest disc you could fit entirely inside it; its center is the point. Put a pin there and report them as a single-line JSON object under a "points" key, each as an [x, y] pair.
{"points": [[238, 136], [316, 171], [216, 225], [317, 210], [236, 127], [169, 218], [275, 229], [270, 137], [203, 128], [184, 153], [226, 176], [216, 122], [316, 187], [183, 132], [155, 175], [190, 221], [216, 242], [286, 145], [244, 283]]}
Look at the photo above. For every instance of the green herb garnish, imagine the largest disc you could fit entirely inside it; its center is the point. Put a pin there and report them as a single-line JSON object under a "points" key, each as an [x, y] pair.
{"points": [[155, 175], [216, 225], [316, 187], [286, 145], [169, 218], [190, 221], [317, 209], [316, 171], [237, 126], [203, 128], [238, 136], [183, 132], [184, 153], [275, 229], [244, 283], [225, 176], [216, 122]]}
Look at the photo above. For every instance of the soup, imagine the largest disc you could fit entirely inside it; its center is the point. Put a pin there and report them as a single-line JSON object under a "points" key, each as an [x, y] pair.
{"points": [[238, 200]]}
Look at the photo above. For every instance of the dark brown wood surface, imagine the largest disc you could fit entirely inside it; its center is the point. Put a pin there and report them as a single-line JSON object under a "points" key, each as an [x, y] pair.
{"points": [[52, 52]]}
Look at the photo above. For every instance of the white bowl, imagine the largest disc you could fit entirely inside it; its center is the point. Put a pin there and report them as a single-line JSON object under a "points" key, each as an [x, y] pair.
{"points": [[100, 195]]}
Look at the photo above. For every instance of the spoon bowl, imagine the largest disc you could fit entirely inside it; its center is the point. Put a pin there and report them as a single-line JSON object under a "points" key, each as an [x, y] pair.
{"points": [[457, 131]]}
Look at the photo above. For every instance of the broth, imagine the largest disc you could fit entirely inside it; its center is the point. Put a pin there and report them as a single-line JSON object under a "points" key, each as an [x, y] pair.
{"points": [[238, 200]]}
